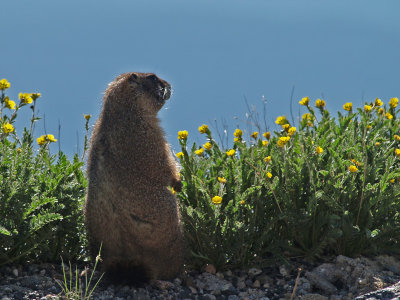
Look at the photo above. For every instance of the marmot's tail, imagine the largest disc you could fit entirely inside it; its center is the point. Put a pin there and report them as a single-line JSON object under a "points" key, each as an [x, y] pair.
{"points": [[125, 274]]}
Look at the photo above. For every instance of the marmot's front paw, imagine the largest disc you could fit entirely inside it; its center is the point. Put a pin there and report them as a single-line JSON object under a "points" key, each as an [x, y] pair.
{"points": [[177, 185]]}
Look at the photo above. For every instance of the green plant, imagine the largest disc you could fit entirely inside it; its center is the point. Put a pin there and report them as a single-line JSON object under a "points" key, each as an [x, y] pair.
{"points": [[41, 194], [328, 187], [76, 289]]}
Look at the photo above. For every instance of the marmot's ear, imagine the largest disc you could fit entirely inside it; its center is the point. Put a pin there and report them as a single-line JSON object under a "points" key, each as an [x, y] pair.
{"points": [[133, 77], [152, 77]]}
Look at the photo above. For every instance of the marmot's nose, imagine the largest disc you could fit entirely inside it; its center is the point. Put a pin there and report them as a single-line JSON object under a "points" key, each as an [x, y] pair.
{"points": [[166, 92]]}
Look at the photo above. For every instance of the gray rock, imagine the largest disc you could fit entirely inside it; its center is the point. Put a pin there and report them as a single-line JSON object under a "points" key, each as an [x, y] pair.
{"points": [[314, 297], [321, 282], [254, 272]]}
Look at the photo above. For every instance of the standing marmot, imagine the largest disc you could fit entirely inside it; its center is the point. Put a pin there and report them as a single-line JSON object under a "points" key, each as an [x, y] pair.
{"points": [[129, 207]]}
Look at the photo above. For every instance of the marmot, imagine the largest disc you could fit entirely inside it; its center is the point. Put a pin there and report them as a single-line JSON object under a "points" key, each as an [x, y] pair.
{"points": [[129, 206]]}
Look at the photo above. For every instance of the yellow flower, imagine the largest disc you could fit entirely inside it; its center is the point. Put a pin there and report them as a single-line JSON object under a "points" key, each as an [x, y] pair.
{"points": [[286, 127], [356, 162], [51, 138], [269, 175], [378, 102], [216, 200], [25, 98], [267, 159], [377, 144], [9, 103], [320, 103], [306, 116], [179, 154], [367, 108], [182, 135], [283, 140], [46, 138], [353, 169], [236, 139], [222, 179], [203, 128], [304, 101], [41, 140], [87, 117], [267, 135], [281, 120], [19, 150], [389, 116], [396, 137], [392, 180], [393, 102], [369, 127], [380, 111], [207, 146], [242, 202], [291, 131], [173, 191], [238, 133], [254, 135], [4, 84], [397, 152], [7, 127], [231, 152], [265, 143], [319, 150], [199, 152], [35, 95], [348, 106]]}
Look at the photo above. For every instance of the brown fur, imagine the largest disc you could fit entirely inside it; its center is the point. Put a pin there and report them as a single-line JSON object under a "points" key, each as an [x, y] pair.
{"points": [[129, 207]]}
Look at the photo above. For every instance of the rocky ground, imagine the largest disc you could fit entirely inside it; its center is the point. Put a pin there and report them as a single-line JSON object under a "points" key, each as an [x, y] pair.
{"points": [[340, 278]]}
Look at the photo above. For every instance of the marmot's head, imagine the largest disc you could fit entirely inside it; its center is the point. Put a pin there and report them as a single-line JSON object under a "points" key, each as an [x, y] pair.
{"points": [[144, 90]]}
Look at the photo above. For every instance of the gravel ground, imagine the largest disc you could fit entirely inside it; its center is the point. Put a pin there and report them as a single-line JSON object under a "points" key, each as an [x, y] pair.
{"points": [[339, 278]]}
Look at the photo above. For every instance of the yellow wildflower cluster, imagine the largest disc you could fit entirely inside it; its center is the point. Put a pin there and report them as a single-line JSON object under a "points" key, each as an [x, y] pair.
{"points": [[46, 138], [9, 103], [348, 106], [269, 174], [378, 102], [267, 159], [393, 102], [319, 150], [7, 128], [216, 200], [304, 101], [203, 129], [281, 120], [231, 152], [199, 152], [265, 143], [291, 131], [25, 98], [207, 146], [222, 180], [283, 140], [87, 117], [179, 154], [320, 103], [254, 135], [182, 135], [357, 163], [267, 135], [396, 137], [353, 169], [238, 133], [4, 84], [397, 152], [367, 108], [389, 116]]}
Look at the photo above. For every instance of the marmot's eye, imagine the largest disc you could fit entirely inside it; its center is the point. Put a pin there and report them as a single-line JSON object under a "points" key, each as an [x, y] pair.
{"points": [[133, 77], [152, 77]]}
